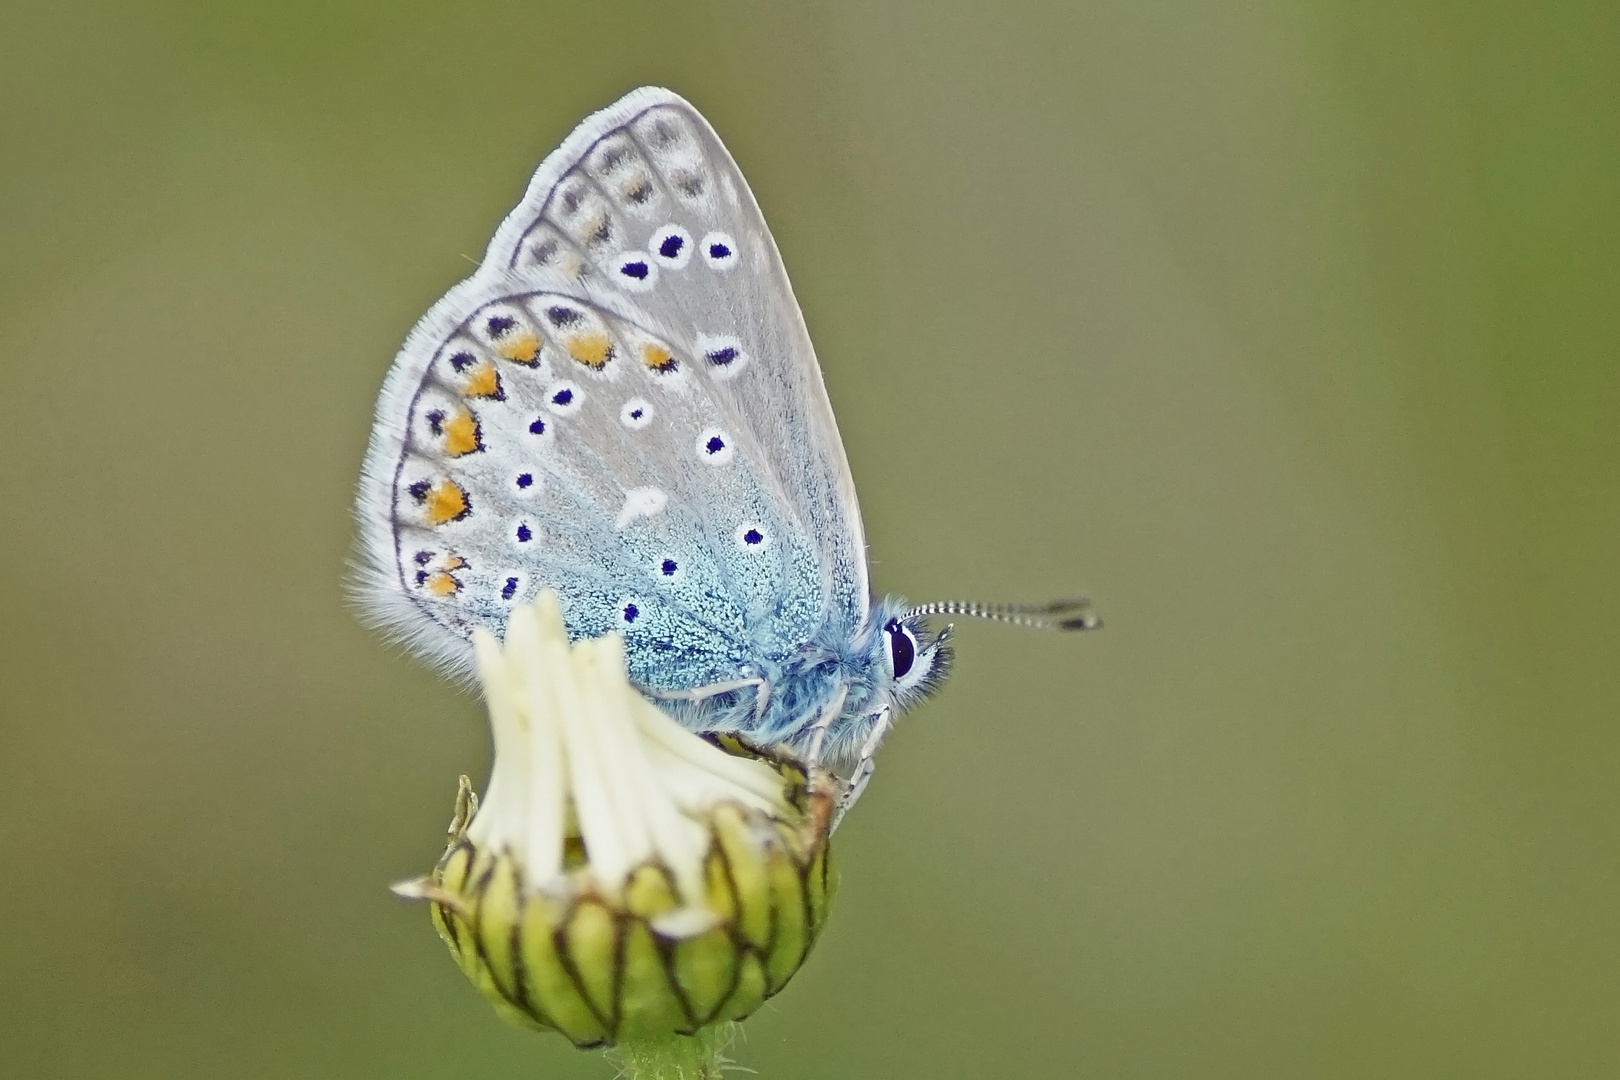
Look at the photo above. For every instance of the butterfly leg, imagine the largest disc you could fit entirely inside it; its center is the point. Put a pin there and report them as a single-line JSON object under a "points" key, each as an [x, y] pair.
{"points": [[762, 692], [865, 765], [824, 720]]}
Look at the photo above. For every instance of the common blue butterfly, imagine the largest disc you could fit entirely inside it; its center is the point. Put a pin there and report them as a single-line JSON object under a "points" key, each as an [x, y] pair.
{"points": [[622, 405]]}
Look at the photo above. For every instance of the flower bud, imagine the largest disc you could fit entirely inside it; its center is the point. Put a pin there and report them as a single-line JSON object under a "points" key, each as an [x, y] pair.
{"points": [[623, 878]]}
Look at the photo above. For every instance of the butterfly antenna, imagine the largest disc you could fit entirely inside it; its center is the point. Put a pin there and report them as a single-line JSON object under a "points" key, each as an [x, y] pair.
{"points": [[1072, 614]]}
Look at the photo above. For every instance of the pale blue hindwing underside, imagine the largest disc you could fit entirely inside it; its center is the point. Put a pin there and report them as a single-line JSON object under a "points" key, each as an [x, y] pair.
{"points": [[622, 405]]}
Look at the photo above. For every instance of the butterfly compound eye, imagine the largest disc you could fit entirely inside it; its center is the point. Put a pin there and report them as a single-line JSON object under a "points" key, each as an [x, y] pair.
{"points": [[902, 648]]}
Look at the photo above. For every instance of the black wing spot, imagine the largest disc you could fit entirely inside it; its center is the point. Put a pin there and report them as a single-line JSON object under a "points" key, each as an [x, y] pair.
{"points": [[544, 252]]}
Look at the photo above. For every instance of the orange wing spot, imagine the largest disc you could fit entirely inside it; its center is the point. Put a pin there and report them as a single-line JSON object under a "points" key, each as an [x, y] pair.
{"points": [[520, 348], [657, 357], [454, 562], [446, 501], [593, 350], [483, 381], [442, 584], [598, 231], [461, 434]]}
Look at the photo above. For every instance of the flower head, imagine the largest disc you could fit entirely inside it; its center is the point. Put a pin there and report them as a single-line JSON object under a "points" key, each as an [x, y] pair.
{"points": [[623, 878]]}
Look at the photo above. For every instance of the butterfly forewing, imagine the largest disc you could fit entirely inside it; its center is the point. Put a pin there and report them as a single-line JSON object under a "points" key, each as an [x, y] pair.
{"points": [[621, 405], [656, 210]]}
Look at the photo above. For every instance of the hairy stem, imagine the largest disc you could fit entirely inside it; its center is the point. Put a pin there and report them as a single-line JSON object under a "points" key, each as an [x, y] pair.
{"points": [[677, 1057]]}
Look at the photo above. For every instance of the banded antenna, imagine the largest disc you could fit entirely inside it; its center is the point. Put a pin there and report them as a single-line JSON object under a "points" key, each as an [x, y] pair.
{"points": [[1072, 614]]}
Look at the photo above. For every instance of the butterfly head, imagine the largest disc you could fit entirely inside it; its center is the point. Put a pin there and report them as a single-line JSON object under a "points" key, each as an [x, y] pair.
{"points": [[915, 659]]}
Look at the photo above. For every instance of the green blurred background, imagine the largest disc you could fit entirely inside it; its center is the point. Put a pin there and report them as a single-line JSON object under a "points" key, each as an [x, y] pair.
{"points": [[1291, 332]]}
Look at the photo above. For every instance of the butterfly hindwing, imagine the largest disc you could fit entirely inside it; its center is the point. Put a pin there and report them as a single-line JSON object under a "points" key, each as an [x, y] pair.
{"points": [[621, 405]]}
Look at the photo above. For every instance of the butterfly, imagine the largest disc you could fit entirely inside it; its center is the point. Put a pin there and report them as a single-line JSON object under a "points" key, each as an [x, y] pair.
{"points": [[622, 405]]}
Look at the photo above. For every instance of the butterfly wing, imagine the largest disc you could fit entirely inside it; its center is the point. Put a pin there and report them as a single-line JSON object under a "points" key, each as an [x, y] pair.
{"points": [[622, 405]]}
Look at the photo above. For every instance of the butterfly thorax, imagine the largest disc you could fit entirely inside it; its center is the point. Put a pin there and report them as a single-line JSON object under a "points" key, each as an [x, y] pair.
{"points": [[853, 672]]}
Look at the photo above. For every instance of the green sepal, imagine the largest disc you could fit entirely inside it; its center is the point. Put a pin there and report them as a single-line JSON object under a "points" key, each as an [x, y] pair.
{"points": [[746, 863], [750, 991], [705, 968], [499, 910], [789, 907], [589, 942], [550, 987], [648, 1004]]}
